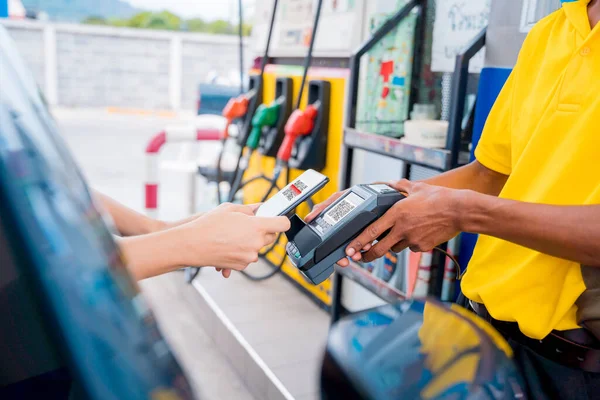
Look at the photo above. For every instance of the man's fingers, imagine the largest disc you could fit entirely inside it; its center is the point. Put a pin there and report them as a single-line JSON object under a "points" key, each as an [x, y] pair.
{"points": [[343, 262], [226, 273], [358, 256], [274, 224], [380, 249], [321, 206], [398, 247], [403, 185], [370, 234]]}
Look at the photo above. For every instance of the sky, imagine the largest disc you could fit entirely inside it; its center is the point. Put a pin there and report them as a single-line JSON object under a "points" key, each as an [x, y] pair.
{"points": [[205, 9]]}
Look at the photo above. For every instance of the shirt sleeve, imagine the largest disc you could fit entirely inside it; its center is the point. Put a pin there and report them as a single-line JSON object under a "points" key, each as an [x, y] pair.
{"points": [[494, 147]]}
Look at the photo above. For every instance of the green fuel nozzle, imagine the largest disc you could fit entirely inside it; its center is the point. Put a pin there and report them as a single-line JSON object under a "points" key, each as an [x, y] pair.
{"points": [[265, 116]]}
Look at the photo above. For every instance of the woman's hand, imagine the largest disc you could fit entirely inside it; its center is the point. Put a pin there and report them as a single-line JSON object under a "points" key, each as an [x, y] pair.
{"points": [[163, 225], [230, 237]]}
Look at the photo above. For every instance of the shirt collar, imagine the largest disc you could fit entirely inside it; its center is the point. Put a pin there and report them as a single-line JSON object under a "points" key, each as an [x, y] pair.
{"points": [[576, 12]]}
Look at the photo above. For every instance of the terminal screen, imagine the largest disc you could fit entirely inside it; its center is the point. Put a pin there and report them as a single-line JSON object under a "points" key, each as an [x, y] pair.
{"points": [[383, 189], [337, 213]]}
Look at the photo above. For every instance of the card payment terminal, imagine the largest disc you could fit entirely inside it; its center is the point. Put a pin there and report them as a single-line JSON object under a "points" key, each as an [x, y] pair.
{"points": [[315, 247]]}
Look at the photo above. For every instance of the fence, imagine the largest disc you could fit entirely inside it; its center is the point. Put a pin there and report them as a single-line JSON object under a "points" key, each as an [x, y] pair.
{"points": [[97, 66]]}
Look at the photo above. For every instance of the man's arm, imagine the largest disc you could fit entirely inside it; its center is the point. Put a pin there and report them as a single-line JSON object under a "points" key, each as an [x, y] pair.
{"points": [[568, 232], [474, 176], [431, 215]]}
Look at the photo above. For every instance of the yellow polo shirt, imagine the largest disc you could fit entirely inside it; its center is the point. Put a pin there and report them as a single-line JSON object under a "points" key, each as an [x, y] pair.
{"points": [[544, 132]]}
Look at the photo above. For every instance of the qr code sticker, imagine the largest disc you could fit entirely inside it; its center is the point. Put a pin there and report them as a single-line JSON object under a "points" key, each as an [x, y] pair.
{"points": [[300, 185], [289, 194], [341, 210], [323, 224]]}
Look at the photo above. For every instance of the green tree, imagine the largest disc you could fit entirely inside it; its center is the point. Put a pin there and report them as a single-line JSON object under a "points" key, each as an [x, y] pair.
{"points": [[149, 20], [118, 22], [140, 20], [246, 29], [95, 20], [196, 25], [168, 21], [220, 27]]}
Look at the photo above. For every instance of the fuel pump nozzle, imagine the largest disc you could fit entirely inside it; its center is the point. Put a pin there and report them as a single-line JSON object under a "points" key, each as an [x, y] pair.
{"points": [[236, 108], [265, 116], [300, 123]]}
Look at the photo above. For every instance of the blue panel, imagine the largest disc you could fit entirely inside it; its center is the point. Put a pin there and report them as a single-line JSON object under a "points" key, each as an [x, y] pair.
{"points": [[398, 81], [3, 8], [490, 84]]}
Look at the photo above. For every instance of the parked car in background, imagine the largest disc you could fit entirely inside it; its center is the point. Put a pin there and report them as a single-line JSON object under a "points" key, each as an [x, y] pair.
{"points": [[216, 91]]}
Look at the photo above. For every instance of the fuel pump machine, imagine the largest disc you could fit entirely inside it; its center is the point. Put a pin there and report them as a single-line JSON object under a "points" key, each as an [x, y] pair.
{"points": [[311, 137]]}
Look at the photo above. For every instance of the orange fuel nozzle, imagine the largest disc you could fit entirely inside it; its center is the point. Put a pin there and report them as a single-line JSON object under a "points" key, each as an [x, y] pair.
{"points": [[235, 108], [300, 123]]}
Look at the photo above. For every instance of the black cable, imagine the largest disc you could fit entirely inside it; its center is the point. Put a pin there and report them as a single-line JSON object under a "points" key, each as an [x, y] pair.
{"points": [[270, 248], [236, 172], [193, 275], [241, 37], [275, 271], [307, 63], [220, 171], [274, 184], [459, 270], [258, 89], [269, 36], [308, 59], [224, 141]]}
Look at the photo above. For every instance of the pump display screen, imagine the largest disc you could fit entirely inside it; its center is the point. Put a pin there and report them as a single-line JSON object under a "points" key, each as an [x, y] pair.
{"points": [[337, 213]]}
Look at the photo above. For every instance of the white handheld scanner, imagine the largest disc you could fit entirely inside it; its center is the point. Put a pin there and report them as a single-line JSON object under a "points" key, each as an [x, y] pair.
{"points": [[314, 248]]}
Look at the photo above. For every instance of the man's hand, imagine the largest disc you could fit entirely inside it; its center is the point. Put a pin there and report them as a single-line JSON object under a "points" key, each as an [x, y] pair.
{"points": [[427, 217]]}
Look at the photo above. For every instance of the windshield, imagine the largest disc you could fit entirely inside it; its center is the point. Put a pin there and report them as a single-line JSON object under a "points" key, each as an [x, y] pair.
{"points": [[107, 332]]}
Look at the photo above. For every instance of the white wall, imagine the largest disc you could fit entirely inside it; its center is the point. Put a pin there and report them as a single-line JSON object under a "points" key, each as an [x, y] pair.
{"points": [[92, 66]]}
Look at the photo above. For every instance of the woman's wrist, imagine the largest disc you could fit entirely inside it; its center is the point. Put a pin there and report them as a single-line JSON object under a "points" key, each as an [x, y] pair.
{"points": [[164, 225], [157, 253], [155, 225], [186, 240]]}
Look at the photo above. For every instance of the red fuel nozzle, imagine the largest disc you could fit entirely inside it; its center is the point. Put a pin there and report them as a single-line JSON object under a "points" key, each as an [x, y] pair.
{"points": [[235, 108], [300, 123]]}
